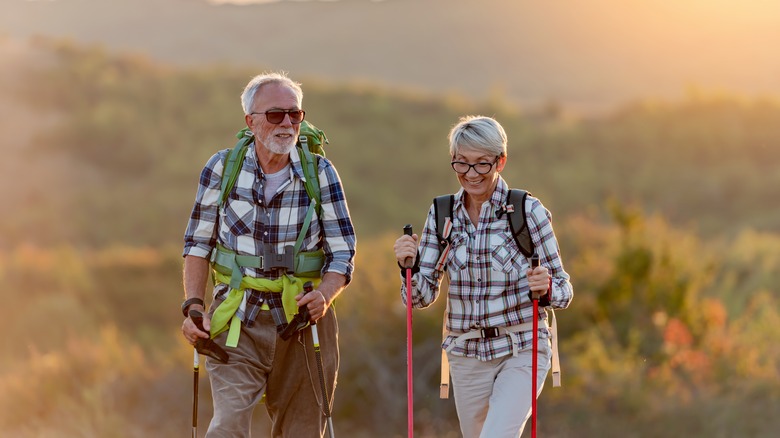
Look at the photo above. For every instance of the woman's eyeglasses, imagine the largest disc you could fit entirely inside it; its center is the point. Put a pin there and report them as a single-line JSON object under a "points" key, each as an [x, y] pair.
{"points": [[276, 116], [481, 168]]}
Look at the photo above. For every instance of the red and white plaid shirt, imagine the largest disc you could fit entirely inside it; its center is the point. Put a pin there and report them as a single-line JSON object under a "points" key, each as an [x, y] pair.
{"points": [[488, 284]]}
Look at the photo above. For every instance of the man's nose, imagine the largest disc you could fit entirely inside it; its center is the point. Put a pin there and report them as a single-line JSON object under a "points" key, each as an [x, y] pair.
{"points": [[286, 120]]}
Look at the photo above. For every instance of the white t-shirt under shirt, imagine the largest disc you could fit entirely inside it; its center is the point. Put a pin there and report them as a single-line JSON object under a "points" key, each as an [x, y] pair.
{"points": [[275, 180]]}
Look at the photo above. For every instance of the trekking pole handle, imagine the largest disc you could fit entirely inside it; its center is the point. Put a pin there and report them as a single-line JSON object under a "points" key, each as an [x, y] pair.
{"points": [[409, 262], [535, 264], [308, 287], [197, 317]]}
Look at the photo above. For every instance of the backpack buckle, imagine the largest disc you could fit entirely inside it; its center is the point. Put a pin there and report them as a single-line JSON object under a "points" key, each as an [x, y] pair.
{"points": [[272, 260], [489, 332]]}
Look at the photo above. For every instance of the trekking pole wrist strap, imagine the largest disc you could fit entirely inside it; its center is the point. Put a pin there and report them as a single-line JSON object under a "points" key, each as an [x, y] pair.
{"points": [[415, 269]]}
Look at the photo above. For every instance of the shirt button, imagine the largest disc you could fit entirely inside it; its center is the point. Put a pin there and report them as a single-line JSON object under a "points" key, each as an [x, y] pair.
{"points": [[266, 233], [478, 280]]}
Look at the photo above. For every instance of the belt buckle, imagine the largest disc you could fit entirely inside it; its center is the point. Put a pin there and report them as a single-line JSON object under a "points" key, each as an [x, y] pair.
{"points": [[489, 332]]}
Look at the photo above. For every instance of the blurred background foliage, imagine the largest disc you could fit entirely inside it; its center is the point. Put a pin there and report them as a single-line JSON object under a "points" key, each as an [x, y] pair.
{"points": [[665, 212]]}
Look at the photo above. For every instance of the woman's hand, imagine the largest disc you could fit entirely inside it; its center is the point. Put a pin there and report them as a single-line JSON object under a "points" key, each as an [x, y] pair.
{"points": [[538, 279], [406, 250]]}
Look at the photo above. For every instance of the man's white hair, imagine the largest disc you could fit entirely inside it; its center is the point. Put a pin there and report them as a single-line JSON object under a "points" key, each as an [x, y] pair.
{"points": [[248, 95]]}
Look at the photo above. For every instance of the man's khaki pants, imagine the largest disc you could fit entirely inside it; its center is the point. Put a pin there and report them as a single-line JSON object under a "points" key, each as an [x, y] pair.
{"points": [[285, 371], [493, 398]]}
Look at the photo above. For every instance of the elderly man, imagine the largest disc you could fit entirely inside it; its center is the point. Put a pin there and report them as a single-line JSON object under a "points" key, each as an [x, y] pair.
{"points": [[262, 219]]}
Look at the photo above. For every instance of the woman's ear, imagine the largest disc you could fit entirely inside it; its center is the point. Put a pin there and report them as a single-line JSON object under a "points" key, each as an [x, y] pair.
{"points": [[501, 163]]}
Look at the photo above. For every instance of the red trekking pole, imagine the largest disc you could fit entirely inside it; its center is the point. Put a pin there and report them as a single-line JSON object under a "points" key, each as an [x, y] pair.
{"points": [[408, 263], [534, 348]]}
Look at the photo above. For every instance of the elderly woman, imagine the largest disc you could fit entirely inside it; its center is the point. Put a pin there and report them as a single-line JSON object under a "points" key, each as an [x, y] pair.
{"points": [[489, 310]]}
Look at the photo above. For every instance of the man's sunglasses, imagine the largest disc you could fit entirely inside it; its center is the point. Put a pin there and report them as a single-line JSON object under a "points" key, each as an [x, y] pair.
{"points": [[277, 116]]}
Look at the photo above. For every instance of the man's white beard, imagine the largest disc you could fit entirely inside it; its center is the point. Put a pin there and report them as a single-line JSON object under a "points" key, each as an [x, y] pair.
{"points": [[279, 146]]}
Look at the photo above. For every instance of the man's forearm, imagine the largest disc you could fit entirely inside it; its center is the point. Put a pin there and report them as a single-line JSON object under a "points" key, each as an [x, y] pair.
{"points": [[196, 273], [331, 286]]}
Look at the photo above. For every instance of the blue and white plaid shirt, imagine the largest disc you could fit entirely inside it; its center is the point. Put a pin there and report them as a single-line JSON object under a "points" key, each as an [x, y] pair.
{"points": [[488, 286], [248, 221]]}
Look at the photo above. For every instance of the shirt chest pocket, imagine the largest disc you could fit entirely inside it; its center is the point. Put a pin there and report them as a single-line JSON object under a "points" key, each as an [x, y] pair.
{"points": [[458, 256], [238, 215], [505, 257]]}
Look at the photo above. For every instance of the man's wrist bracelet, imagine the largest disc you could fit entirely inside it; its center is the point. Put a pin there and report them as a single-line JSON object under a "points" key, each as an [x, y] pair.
{"points": [[185, 306]]}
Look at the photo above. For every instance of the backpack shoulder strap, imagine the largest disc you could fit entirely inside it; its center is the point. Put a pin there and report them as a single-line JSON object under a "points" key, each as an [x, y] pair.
{"points": [[518, 223], [309, 164], [442, 209], [232, 164]]}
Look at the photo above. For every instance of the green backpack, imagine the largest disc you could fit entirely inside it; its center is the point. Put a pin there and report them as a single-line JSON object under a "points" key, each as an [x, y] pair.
{"points": [[310, 141]]}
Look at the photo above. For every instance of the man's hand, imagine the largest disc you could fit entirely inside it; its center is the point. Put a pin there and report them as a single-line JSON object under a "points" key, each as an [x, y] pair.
{"points": [[318, 300], [191, 331], [315, 302]]}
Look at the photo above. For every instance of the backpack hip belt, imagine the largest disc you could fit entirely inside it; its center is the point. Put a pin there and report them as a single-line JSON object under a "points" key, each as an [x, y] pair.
{"points": [[511, 331], [492, 332], [228, 262]]}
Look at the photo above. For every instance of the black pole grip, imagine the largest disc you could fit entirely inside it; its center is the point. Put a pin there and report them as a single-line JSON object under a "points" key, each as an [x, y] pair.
{"points": [[535, 264], [408, 231], [197, 317], [303, 310], [206, 346]]}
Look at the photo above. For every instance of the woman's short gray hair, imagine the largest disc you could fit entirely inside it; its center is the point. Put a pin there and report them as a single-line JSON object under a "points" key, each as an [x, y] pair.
{"points": [[248, 95], [479, 133]]}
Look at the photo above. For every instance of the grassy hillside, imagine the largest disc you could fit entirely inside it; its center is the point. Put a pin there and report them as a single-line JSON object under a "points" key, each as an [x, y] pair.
{"points": [[123, 140], [667, 335]]}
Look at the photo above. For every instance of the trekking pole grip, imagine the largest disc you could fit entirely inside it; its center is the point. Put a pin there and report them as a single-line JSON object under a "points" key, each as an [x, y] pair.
{"points": [[197, 318], [535, 264], [307, 287], [409, 262]]}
